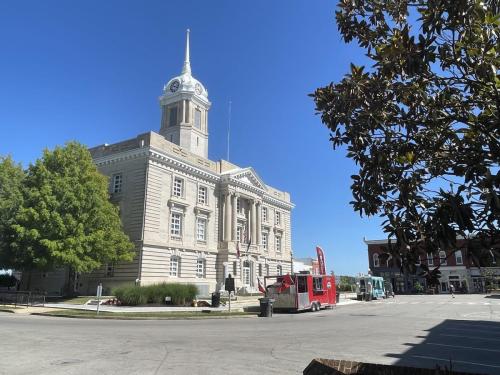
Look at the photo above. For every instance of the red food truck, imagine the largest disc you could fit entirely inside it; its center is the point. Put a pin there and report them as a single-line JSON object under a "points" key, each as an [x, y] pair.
{"points": [[301, 291]]}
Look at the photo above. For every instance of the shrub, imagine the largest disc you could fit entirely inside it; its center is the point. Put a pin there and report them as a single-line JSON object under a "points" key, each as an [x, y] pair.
{"points": [[156, 293]]}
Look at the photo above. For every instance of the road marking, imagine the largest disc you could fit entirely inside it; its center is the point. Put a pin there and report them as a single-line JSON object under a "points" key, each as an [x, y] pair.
{"points": [[462, 347], [469, 337], [455, 361]]}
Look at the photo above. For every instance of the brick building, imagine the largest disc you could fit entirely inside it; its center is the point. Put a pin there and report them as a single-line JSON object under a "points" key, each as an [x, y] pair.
{"points": [[456, 269]]}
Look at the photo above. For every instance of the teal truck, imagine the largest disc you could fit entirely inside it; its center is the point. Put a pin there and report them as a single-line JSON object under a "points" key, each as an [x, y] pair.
{"points": [[369, 287]]}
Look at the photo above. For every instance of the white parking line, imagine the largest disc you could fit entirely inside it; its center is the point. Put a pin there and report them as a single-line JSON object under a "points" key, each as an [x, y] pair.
{"points": [[455, 361], [463, 347]]}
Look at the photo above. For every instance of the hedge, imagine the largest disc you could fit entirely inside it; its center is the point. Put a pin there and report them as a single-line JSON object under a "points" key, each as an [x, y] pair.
{"points": [[180, 294]]}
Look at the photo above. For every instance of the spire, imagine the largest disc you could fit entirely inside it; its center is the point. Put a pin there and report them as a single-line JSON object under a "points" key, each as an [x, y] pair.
{"points": [[186, 69]]}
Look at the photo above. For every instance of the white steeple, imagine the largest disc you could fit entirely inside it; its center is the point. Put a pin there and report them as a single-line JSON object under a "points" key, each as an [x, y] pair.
{"points": [[186, 69], [185, 106]]}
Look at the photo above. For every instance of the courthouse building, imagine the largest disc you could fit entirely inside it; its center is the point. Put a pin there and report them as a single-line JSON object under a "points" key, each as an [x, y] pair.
{"points": [[189, 216]]}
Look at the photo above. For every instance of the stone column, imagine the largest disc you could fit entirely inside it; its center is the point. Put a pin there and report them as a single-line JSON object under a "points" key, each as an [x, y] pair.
{"points": [[254, 223], [259, 223], [234, 222], [227, 218]]}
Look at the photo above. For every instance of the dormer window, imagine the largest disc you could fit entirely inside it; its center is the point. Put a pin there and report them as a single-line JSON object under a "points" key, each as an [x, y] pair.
{"points": [[197, 118]]}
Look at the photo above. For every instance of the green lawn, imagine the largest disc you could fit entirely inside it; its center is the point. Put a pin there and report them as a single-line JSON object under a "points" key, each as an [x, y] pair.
{"points": [[146, 315]]}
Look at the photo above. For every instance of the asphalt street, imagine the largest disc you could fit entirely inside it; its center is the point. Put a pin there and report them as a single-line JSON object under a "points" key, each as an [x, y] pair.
{"points": [[408, 330]]}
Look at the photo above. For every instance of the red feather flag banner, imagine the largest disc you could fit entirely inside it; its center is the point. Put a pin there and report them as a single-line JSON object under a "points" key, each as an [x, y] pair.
{"points": [[261, 286], [321, 260]]}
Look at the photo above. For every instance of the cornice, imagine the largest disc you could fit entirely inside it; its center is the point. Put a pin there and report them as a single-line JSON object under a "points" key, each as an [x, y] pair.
{"points": [[183, 165]]}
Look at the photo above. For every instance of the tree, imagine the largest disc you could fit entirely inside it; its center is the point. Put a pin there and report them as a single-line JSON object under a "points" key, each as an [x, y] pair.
{"points": [[66, 218], [11, 179], [422, 123]]}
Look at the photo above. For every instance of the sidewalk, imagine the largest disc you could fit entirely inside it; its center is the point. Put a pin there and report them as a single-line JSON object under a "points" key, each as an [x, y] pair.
{"points": [[241, 304]]}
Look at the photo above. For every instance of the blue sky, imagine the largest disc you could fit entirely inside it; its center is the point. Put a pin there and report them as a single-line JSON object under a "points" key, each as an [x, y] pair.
{"points": [[92, 71]]}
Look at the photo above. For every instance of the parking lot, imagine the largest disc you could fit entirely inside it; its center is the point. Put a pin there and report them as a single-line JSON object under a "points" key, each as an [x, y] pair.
{"points": [[408, 330]]}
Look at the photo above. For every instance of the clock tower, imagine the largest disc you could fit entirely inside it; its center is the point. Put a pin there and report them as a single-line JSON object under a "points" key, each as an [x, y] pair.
{"points": [[184, 110]]}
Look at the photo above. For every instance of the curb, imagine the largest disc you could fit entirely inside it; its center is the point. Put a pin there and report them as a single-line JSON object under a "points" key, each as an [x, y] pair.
{"points": [[143, 317], [7, 310]]}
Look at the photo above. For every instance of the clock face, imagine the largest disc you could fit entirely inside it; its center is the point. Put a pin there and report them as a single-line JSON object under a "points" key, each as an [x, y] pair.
{"points": [[198, 89], [174, 86]]}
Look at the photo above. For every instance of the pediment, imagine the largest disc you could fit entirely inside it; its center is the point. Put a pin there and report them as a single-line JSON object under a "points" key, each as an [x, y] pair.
{"points": [[248, 176]]}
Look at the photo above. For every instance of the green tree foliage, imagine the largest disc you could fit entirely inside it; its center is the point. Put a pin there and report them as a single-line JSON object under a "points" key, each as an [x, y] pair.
{"points": [[66, 218], [11, 178], [422, 124]]}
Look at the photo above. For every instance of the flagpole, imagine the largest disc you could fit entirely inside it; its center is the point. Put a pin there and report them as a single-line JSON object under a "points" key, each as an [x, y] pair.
{"points": [[228, 129]]}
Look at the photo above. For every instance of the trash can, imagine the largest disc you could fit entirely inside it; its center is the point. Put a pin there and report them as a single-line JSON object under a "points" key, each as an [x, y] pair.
{"points": [[337, 297], [266, 307], [216, 299]]}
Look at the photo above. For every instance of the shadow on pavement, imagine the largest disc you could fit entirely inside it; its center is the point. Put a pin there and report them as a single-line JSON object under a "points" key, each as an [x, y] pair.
{"points": [[460, 345], [493, 296]]}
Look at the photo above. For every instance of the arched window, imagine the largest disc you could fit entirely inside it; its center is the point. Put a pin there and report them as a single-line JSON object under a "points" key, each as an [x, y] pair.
{"points": [[442, 258], [376, 261], [175, 266]]}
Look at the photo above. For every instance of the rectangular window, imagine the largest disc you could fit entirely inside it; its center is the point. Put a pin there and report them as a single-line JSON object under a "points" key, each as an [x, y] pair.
{"points": [[458, 257], [264, 214], [239, 234], [317, 283], [174, 266], [267, 269], [110, 270], [278, 244], [197, 118], [202, 195], [279, 270], [442, 258], [238, 205], [200, 268], [116, 183], [176, 224], [264, 240], [235, 268], [278, 218], [172, 116], [178, 187], [201, 225], [430, 259], [260, 269]]}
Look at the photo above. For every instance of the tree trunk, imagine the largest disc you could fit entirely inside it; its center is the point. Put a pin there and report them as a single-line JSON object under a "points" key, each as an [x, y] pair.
{"points": [[69, 287]]}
